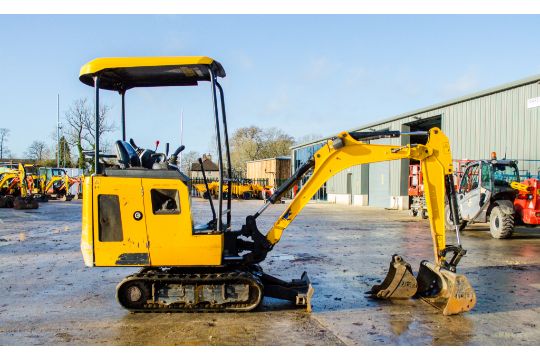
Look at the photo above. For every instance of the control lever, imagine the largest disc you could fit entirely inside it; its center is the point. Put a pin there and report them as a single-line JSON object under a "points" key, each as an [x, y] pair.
{"points": [[174, 156], [157, 144], [166, 149], [214, 218]]}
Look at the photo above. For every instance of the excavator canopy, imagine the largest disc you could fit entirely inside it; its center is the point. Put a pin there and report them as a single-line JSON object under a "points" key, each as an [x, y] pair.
{"points": [[121, 74]]}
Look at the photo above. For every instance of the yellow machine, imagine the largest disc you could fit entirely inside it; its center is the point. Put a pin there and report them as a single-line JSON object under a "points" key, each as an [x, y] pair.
{"points": [[15, 190], [55, 183], [139, 212]]}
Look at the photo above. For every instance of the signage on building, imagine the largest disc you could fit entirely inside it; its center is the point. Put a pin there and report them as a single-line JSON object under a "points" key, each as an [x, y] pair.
{"points": [[534, 102]]}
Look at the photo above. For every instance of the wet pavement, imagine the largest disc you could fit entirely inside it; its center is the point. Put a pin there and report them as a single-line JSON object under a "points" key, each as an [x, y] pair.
{"points": [[50, 298]]}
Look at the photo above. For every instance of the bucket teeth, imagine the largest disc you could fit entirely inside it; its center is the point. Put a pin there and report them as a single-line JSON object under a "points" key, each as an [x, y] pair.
{"points": [[447, 291], [399, 282]]}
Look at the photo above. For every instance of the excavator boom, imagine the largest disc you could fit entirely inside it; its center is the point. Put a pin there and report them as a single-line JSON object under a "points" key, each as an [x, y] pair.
{"points": [[437, 282]]}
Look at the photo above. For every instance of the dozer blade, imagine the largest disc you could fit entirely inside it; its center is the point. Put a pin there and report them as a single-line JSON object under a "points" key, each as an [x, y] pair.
{"points": [[399, 282], [447, 291], [298, 291]]}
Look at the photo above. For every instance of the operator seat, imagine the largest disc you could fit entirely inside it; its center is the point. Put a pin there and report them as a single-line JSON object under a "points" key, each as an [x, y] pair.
{"points": [[126, 154]]}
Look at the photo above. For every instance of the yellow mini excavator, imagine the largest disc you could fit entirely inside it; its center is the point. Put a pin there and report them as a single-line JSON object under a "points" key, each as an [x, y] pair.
{"points": [[138, 213]]}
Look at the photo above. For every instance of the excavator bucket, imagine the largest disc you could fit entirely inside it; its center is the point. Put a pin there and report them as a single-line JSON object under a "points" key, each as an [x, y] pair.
{"points": [[25, 203], [399, 282], [447, 291]]}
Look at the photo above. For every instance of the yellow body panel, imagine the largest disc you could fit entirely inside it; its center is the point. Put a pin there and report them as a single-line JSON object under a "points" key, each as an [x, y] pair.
{"points": [[170, 236], [87, 233], [129, 192], [148, 237]]}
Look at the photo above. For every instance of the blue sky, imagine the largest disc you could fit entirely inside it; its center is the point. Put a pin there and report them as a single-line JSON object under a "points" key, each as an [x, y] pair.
{"points": [[304, 74]]}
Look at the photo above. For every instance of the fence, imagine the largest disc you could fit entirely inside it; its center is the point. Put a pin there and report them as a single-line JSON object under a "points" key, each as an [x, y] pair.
{"points": [[239, 187]]}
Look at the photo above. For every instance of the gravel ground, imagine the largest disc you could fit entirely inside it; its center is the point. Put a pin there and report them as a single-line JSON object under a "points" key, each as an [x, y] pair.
{"points": [[52, 299]]}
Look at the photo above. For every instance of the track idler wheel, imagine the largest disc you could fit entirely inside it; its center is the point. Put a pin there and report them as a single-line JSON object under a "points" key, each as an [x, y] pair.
{"points": [[399, 282], [447, 291]]}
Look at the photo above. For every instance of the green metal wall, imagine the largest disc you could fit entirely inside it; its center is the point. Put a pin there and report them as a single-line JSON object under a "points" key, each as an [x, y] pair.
{"points": [[498, 122]]}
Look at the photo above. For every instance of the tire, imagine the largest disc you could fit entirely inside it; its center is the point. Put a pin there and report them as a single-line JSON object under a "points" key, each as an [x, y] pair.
{"points": [[501, 225], [414, 213], [424, 214], [246, 196], [448, 223]]}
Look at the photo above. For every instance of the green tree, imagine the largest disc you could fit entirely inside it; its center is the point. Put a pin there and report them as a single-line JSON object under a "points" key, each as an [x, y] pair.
{"points": [[65, 153]]}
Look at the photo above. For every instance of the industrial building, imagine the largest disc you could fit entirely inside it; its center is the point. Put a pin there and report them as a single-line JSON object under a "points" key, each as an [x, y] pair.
{"points": [[504, 119]]}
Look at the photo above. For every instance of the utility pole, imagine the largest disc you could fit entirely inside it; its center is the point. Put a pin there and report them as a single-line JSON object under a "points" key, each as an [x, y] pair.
{"points": [[58, 129]]}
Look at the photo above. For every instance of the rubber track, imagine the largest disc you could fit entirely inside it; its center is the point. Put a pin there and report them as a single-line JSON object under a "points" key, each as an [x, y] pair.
{"points": [[210, 278]]}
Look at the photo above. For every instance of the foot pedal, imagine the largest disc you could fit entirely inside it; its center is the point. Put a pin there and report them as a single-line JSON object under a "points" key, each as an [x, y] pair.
{"points": [[298, 291], [447, 291], [399, 282]]}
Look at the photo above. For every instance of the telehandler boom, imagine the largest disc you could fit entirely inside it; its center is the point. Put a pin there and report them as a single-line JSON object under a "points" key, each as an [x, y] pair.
{"points": [[139, 212]]}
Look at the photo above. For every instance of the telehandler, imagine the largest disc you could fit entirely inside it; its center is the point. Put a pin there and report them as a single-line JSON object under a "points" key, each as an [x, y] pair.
{"points": [[490, 191], [139, 213]]}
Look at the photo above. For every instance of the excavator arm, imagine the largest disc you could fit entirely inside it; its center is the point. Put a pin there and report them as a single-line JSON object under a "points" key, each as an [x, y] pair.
{"points": [[437, 282], [346, 151]]}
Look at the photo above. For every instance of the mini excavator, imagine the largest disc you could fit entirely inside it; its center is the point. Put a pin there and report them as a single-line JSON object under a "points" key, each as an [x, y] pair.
{"points": [[15, 190], [138, 212]]}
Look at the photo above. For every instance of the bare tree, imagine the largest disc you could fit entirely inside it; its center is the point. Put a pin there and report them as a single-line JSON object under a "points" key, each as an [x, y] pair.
{"points": [[81, 127], [4, 134], [188, 159], [37, 151], [254, 143], [78, 114]]}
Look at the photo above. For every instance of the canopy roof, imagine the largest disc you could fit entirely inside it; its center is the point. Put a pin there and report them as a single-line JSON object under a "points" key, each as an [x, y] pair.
{"points": [[126, 73]]}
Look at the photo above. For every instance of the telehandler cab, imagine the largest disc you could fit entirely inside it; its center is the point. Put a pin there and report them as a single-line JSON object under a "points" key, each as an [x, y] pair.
{"points": [[139, 213]]}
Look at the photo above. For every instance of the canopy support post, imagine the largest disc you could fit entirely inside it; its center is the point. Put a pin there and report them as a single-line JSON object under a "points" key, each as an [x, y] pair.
{"points": [[220, 156], [96, 149], [123, 93]]}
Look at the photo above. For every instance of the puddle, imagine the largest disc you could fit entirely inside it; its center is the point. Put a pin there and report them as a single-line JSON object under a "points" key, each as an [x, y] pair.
{"points": [[284, 257]]}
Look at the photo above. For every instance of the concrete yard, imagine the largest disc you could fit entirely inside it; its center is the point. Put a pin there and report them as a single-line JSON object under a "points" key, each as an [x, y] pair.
{"points": [[51, 298]]}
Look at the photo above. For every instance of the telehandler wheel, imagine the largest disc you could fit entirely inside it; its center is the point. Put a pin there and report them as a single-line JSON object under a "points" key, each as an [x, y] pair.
{"points": [[448, 223], [246, 196], [501, 225]]}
